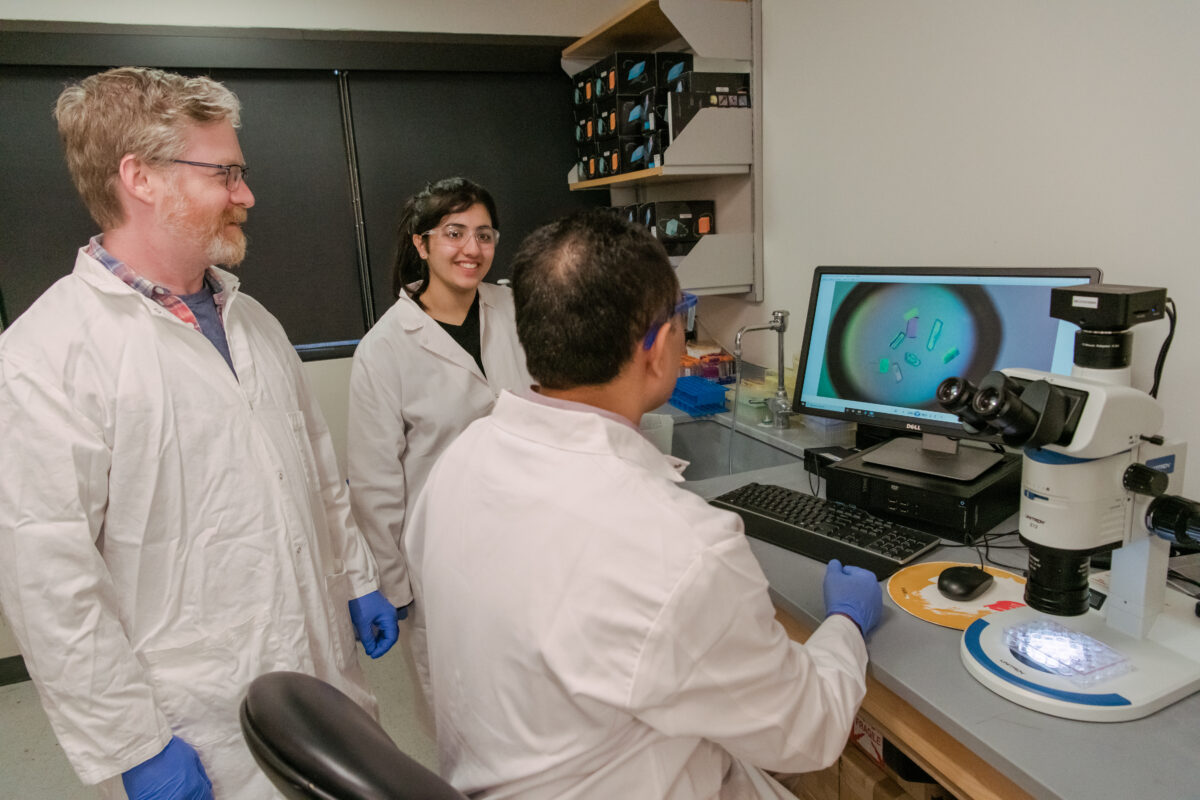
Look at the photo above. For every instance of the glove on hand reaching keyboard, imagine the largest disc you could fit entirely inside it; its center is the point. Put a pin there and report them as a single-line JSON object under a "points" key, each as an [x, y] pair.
{"points": [[855, 592]]}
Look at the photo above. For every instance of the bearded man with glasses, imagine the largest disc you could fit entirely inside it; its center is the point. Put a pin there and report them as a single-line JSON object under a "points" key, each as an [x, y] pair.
{"points": [[172, 521]]}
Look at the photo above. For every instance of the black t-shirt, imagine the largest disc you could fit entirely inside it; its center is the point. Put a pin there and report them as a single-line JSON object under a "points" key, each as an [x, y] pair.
{"points": [[467, 334]]}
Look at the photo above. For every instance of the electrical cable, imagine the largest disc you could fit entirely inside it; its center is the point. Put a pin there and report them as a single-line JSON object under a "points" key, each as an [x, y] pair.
{"points": [[1166, 345]]}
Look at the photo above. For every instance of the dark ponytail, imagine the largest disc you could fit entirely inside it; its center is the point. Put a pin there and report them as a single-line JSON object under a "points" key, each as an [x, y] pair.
{"points": [[424, 211]]}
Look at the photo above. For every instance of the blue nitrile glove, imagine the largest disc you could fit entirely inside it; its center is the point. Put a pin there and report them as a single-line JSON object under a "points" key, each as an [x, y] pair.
{"points": [[174, 774], [855, 592], [375, 625], [402, 611]]}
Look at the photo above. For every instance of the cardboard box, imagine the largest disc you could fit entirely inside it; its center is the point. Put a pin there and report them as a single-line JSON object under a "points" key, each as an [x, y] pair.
{"points": [[822, 785], [860, 779], [868, 739], [907, 774]]}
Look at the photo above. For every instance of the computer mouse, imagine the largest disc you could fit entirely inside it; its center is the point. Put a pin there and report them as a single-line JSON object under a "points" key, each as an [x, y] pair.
{"points": [[963, 582]]}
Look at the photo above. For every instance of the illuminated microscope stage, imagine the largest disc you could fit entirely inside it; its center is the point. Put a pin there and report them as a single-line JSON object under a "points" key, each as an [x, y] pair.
{"points": [[1129, 678]]}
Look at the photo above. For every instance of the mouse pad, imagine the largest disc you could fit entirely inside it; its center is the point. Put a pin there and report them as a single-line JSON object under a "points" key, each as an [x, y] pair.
{"points": [[915, 590]]}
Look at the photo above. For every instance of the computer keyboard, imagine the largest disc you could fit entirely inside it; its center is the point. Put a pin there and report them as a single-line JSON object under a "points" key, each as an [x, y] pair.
{"points": [[825, 529]]}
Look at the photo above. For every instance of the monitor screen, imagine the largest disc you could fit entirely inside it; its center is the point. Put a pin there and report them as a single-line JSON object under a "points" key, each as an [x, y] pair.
{"points": [[879, 340]]}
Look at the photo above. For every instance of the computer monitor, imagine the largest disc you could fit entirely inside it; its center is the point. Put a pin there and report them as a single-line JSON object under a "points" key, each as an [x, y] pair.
{"points": [[879, 340]]}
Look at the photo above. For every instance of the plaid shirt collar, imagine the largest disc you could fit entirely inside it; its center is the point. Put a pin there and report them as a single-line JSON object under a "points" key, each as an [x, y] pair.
{"points": [[159, 294]]}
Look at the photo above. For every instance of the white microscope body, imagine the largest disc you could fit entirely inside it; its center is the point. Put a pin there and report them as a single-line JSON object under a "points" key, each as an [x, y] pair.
{"points": [[1095, 474]]}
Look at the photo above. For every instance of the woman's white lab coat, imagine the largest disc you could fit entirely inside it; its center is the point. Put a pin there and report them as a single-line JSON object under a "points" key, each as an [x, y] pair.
{"points": [[413, 389], [167, 532], [595, 631]]}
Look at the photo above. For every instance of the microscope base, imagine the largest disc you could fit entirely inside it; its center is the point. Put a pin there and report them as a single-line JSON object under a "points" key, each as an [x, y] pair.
{"points": [[1165, 665]]}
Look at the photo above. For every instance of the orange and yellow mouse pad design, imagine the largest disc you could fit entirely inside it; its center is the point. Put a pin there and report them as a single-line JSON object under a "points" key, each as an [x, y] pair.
{"points": [[915, 590]]}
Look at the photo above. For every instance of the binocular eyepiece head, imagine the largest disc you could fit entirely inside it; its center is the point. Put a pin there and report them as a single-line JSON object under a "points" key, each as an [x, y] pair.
{"points": [[1022, 413]]}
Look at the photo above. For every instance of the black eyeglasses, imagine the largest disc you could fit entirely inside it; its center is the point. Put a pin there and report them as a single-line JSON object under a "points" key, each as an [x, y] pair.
{"points": [[234, 173]]}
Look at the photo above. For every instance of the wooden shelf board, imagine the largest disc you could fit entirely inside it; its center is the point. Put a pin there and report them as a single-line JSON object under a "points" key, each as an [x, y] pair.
{"points": [[640, 26]]}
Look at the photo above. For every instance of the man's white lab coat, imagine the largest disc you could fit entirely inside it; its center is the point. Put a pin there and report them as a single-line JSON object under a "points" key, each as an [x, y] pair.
{"points": [[595, 631], [167, 531], [413, 389]]}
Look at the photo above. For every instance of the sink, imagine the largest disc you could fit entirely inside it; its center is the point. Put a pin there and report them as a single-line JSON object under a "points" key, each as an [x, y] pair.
{"points": [[705, 443]]}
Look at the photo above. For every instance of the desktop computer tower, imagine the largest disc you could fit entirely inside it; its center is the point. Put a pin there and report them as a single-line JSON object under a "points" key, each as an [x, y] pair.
{"points": [[957, 510]]}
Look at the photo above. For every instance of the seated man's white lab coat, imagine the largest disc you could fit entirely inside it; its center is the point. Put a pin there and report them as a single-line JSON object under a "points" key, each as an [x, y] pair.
{"points": [[596, 631]]}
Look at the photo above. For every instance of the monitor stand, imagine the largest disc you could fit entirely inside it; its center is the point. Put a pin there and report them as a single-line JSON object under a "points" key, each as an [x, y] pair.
{"points": [[933, 455]]}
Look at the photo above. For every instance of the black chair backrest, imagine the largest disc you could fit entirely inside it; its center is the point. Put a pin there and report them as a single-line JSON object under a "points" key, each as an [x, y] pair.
{"points": [[315, 743]]}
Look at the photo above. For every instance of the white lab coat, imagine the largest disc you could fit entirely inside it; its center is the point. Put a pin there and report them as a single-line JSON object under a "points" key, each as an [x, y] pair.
{"points": [[167, 532], [595, 631], [413, 389]]}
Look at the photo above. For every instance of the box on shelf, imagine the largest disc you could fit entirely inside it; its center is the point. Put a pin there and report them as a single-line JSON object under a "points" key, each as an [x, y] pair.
{"points": [[584, 88], [624, 73], [629, 114], [655, 145], [679, 220], [670, 66], [682, 107], [606, 118], [633, 153], [609, 158], [712, 83], [628, 213], [585, 129], [587, 165], [653, 104]]}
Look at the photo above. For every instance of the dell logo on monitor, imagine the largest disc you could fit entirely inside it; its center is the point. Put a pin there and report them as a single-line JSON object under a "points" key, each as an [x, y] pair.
{"points": [[912, 426]]}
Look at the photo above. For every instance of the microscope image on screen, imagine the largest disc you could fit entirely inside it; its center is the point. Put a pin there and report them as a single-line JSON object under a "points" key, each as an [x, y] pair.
{"points": [[894, 343]]}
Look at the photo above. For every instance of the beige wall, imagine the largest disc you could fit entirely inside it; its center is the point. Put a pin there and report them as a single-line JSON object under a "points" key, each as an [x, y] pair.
{"points": [[511, 17], [1022, 133]]}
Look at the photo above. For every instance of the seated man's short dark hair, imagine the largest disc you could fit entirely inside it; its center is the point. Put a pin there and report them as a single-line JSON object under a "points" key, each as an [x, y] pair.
{"points": [[587, 288]]}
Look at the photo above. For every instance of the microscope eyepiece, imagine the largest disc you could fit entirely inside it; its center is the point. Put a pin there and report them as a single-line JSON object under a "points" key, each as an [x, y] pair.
{"points": [[956, 395]]}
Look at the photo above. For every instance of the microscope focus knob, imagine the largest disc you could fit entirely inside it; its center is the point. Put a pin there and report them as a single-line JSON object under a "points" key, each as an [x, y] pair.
{"points": [[1140, 479]]}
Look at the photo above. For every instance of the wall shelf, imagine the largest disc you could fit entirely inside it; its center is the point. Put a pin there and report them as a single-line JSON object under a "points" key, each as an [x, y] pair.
{"points": [[716, 142], [713, 157]]}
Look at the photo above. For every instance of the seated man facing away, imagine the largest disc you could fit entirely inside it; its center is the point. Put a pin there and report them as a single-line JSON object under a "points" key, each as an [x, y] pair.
{"points": [[594, 630]]}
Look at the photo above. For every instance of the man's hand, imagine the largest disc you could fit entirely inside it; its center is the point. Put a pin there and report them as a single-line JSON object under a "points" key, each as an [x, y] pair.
{"points": [[375, 624], [174, 774], [855, 592]]}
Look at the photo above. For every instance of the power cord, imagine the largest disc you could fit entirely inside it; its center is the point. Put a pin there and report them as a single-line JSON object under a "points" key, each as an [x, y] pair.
{"points": [[1166, 345]]}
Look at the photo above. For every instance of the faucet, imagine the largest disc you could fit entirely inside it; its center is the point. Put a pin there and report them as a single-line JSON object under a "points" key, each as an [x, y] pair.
{"points": [[779, 408]]}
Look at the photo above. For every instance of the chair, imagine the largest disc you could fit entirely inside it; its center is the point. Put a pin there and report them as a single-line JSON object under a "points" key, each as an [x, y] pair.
{"points": [[315, 743]]}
